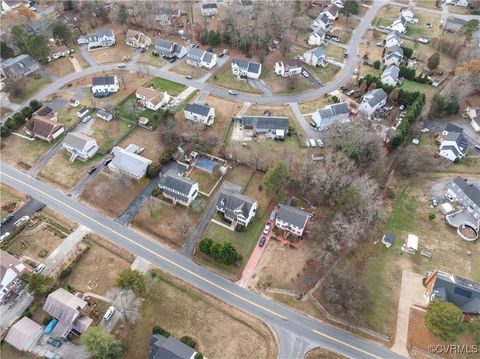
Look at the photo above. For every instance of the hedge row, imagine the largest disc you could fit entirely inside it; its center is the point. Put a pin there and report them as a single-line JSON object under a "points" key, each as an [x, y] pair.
{"points": [[15, 121]]}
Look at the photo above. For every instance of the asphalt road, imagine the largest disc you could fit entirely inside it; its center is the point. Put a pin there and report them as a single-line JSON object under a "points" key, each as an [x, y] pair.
{"points": [[287, 322], [28, 209]]}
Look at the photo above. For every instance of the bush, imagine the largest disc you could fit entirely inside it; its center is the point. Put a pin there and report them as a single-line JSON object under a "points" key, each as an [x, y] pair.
{"points": [[35, 105], [27, 111], [131, 279], [444, 320], [188, 341], [159, 330], [156, 192], [205, 246], [431, 216], [474, 328], [198, 355], [224, 252], [47, 320], [153, 170], [407, 52], [65, 272], [376, 64]]}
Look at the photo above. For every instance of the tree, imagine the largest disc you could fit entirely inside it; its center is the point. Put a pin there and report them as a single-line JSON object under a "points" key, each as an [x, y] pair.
{"points": [[26, 12], [393, 97], [229, 253], [468, 29], [123, 15], [153, 170], [102, 345], [444, 320], [213, 38], [363, 88], [68, 5], [376, 64], [61, 32], [298, 8], [39, 285], [188, 341], [433, 61], [20, 37], [131, 279], [407, 52], [37, 48], [205, 246], [275, 178], [406, 72], [5, 51], [474, 328], [350, 7], [128, 305]]}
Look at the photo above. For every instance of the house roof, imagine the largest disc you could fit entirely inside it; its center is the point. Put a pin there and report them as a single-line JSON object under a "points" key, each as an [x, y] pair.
{"points": [[133, 33], [201, 110], [470, 190], [459, 139], [129, 162], [391, 71], [331, 111], [241, 63], [169, 348], [319, 52], [64, 305], [254, 67], [104, 114], [454, 21], [23, 334], [462, 292], [77, 140], [104, 32], [19, 64], [42, 126], [396, 50], [375, 96], [151, 95], [293, 216], [196, 53], [266, 122], [209, 5], [103, 80], [333, 9], [44, 111], [164, 44], [208, 57], [452, 128], [231, 202], [393, 34], [8, 261], [389, 238], [173, 181]]}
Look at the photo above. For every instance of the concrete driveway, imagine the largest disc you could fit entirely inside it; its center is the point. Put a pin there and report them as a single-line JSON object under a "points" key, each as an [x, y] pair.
{"points": [[9, 315], [28, 209], [312, 79], [67, 350]]}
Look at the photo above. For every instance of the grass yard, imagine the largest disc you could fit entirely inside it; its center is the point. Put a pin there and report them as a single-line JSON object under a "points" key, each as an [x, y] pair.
{"points": [[275, 110], [323, 354], [323, 74], [78, 57], [334, 51], [115, 54], [147, 58], [149, 140], [129, 110], [172, 88], [9, 352], [16, 150], [161, 220], [386, 15], [111, 192], [281, 85], [343, 25], [64, 174], [68, 116], [368, 70], [419, 29], [184, 310], [185, 69], [60, 67], [312, 106], [206, 181], [223, 77], [8, 195], [97, 269], [109, 133], [427, 89], [29, 86], [240, 175]]}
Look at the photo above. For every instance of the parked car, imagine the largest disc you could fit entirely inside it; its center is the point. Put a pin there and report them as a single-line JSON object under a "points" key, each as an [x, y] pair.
{"points": [[273, 215], [335, 38], [434, 202], [8, 218], [86, 119], [313, 124], [320, 143], [55, 342], [428, 25], [172, 60], [448, 196], [345, 55], [266, 230], [209, 49], [232, 92], [355, 72], [92, 169], [305, 73], [52, 355], [142, 51], [225, 52], [312, 143], [108, 314], [189, 77], [221, 55], [21, 221], [121, 66], [4, 236], [350, 93], [261, 242], [402, 107], [39, 269]]}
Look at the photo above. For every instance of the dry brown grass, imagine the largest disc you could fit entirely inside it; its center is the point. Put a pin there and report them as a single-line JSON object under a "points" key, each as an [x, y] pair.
{"points": [[323, 354], [275, 110], [185, 69], [147, 58], [15, 149], [149, 140], [312, 106], [107, 133], [9, 194], [60, 67], [113, 54]]}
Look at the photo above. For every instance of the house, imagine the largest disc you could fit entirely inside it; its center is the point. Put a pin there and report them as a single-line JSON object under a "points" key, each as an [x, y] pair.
{"points": [[315, 57], [462, 292], [390, 75], [178, 188], [474, 114], [209, 9], [287, 68], [450, 127], [10, 5], [101, 38], [127, 161], [466, 194], [151, 98], [137, 39], [272, 127], [24, 334], [463, 3], [292, 219], [11, 269], [338, 3], [200, 113], [72, 312], [80, 146], [45, 113], [372, 101], [104, 115], [200, 58], [44, 129], [18, 67], [83, 112], [399, 24], [407, 14], [320, 22], [336, 113], [317, 37], [170, 49], [393, 39], [74, 102], [104, 85], [251, 70], [57, 51], [388, 239], [393, 55], [454, 146], [332, 12], [453, 24], [169, 348], [236, 208]]}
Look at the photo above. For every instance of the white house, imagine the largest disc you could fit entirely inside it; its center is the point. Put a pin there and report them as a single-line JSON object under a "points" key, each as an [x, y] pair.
{"points": [[251, 70], [338, 3], [10, 5], [104, 115], [236, 208], [287, 68], [292, 219], [126, 161], [58, 51], [336, 113], [317, 37], [137, 39], [170, 49], [315, 57], [11, 270], [372, 101], [200, 113], [393, 39], [101, 38], [209, 9], [83, 112], [152, 98], [463, 3], [332, 12], [321, 22], [407, 14], [454, 146], [80, 146], [390, 75], [393, 55], [200, 58], [474, 114], [178, 188], [399, 24], [105, 85]]}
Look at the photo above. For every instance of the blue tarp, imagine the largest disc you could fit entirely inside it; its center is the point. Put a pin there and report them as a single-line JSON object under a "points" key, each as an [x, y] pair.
{"points": [[50, 326]]}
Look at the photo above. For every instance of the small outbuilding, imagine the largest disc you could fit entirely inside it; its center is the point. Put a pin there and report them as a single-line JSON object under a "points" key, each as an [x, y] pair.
{"points": [[24, 334], [388, 239], [411, 244]]}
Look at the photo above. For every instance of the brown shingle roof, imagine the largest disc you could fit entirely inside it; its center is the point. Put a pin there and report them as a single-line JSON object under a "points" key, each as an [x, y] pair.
{"points": [[42, 127]]}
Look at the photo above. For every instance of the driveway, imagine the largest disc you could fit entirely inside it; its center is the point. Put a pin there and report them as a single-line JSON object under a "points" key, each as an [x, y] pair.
{"points": [[86, 55], [438, 126], [9, 315], [67, 350], [47, 156], [309, 132], [437, 190], [312, 79], [126, 217], [28, 209]]}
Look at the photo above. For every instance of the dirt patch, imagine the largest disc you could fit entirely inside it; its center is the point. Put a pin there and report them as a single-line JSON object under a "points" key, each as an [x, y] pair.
{"points": [[15, 149], [184, 310], [97, 269], [111, 192], [9, 195]]}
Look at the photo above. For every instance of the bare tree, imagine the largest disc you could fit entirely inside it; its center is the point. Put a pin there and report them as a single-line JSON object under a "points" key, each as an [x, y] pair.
{"points": [[127, 304], [184, 226]]}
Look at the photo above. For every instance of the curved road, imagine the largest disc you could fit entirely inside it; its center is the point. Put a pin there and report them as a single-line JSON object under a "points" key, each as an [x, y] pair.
{"points": [[293, 328]]}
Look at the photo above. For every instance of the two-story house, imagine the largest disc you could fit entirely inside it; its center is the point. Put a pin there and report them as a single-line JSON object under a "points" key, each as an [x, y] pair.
{"points": [[151, 98], [272, 127], [104, 85], [372, 101], [200, 58], [101, 38], [336, 113], [393, 39], [332, 12], [466, 194], [11, 269], [80, 146], [137, 39], [393, 55], [170, 49], [292, 219], [209, 9], [127, 161], [407, 14], [399, 24], [315, 57], [177, 188], [473, 114], [251, 70], [454, 146], [321, 22], [236, 208], [18, 67], [199, 113], [317, 37], [390, 75], [288, 68]]}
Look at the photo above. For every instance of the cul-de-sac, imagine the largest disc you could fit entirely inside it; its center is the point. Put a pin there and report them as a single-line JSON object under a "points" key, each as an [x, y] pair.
{"points": [[258, 179]]}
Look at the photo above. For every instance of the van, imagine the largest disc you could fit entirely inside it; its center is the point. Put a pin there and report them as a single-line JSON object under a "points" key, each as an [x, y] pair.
{"points": [[273, 216], [39, 269], [312, 143], [108, 314], [350, 93], [4, 236]]}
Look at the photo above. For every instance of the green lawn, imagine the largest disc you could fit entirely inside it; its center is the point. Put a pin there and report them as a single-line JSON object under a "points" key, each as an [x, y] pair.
{"points": [[427, 89], [129, 110], [29, 86], [223, 77], [205, 180], [323, 74], [171, 87]]}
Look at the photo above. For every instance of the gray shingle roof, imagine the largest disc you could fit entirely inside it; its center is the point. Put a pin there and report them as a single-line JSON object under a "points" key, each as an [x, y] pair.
{"points": [[453, 128], [201, 110], [254, 67], [459, 139], [211, 5], [164, 45], [241, 63], [104, 80], [171, 182], [230, 201], [195, 53], [208, 57], [469, 189], [268, 123], [462, 292], [169, 348], [377, 96], [76, 140], [293, 216]]}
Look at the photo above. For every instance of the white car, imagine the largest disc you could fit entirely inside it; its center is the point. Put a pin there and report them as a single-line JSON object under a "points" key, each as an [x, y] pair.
{"points": [[4, 236], [21, 221], [232, 92], [108, 314], [39, 269], [305, 73], [355, 72], [86, 119], [266, 230], [320, 143], [121, 66]]}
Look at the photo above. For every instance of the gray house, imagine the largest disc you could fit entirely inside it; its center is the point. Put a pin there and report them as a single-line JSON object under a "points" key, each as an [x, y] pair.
{"points": [[453, 24], [101, 38], [177, 188], [331, 114], [169, 348], [19, 67], [236, 207], [274, 127], [292, 219], [466, 194], [170, 49]]}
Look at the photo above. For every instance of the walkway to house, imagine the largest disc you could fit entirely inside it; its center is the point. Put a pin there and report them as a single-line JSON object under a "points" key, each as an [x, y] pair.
{"points": [[411, 293], [284, 241]]}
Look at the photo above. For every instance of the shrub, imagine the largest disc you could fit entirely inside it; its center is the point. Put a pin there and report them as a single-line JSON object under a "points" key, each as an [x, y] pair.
{"points": [[205, 246], [159, 330], [188, 341], [198, 355], [43, 253], [27, 111], [65, 272], [35, 105], [431, 216], [153, 170], [376, 64], [156, 192], [131, 279], [444, 320], [47, 320]]}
